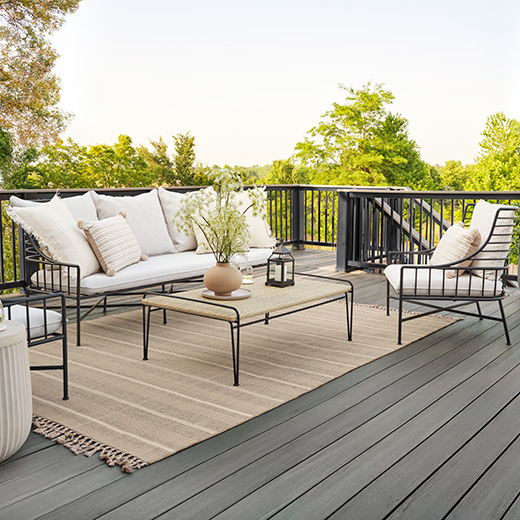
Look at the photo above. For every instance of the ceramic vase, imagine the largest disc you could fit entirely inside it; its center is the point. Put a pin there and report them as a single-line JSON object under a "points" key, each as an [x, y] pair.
{"points": [[222, 279]]}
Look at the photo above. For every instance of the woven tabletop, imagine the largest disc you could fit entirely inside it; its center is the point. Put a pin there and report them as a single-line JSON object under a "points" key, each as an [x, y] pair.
{"points": [[264, 299]]}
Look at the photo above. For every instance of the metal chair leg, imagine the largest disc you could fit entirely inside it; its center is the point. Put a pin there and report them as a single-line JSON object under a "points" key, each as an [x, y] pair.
{"points": [[400, 323], [503, 314]]}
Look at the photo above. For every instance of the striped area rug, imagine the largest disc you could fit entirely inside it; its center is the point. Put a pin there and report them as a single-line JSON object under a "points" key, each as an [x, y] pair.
{"points": [[136, 412]]}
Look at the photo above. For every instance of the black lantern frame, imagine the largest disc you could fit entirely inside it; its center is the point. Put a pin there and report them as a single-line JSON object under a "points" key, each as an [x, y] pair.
{"points": [[280, 267]]}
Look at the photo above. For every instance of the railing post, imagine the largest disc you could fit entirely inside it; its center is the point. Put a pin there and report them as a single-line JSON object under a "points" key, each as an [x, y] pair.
{"points": [[344, 234], [297, 218]]}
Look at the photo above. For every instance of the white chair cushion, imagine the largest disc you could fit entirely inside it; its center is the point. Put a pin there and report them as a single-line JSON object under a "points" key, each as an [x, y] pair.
{"points": [[144, 216], [456, 244], [493, 253], [52, 225], [36, 319], [171, 202], [155, 270], [430, 281]]}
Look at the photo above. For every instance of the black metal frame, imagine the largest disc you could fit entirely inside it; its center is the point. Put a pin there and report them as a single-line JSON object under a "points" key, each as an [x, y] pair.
{"points": [[44, 302], [237, 324], [459, 295]]}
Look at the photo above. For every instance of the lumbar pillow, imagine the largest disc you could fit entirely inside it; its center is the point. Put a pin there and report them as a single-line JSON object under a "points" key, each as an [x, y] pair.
{"points": [[53, 226], [494, 252], [171, 203], [113, 243], [259, 230], [144, 216], [456, 243]]}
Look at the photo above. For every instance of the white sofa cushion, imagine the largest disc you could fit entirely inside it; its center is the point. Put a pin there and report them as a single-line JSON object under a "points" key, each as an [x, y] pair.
{"points": [[170, 203], [260, 234], [52, 225], [494, 252], [144, 216], [154, 271], [113, 243], [456, 243], [37, 319], [432, 282], [81, 207]]}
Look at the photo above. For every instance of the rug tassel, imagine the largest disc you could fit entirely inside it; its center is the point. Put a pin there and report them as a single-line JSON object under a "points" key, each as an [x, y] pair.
{"points": [[81, 445]]}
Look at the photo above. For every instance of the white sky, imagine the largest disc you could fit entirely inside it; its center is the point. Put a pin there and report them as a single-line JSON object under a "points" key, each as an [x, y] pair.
{"points": [[249, 79]]}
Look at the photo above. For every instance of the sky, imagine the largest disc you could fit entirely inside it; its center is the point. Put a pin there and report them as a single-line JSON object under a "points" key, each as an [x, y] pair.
{"points": [[250, 78]]}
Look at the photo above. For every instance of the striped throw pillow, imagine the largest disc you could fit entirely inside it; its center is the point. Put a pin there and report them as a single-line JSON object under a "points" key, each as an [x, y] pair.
{"points": [[456, 243], [113, 243]]}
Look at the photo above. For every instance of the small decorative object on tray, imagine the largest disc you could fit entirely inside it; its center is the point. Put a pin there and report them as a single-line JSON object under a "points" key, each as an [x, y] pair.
{"points": [[247, 275], [280, 267], [239, 294]]}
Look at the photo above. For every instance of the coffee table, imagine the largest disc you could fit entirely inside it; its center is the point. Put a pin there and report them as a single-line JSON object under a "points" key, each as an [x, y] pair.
{"points": [[269, 302]]}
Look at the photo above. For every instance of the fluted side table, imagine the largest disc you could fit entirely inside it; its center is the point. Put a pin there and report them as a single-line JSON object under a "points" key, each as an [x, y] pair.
{"points": [[15, 389]]}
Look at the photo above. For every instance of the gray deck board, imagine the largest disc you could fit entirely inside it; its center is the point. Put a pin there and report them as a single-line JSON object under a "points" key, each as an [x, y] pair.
{"points": [[428, 431]]}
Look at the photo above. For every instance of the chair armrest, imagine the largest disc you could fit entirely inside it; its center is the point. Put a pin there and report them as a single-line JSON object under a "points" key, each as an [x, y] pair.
{"points": [[406, 257]]}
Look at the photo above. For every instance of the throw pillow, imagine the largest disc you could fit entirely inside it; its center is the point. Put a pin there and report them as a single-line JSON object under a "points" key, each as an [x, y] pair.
{"points": [[55, 230], [170, 203], [81, 207], [144, 216], [260, 234], [113, 243], [495, 250], [456, 243]]}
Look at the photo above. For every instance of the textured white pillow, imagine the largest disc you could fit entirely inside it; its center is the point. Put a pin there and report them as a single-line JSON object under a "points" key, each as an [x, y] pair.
{"points": [[456, 243], [493, 253], [171, 202], [81, 207], [52, 225], [113, 243], [144, 216], [260, 234]]}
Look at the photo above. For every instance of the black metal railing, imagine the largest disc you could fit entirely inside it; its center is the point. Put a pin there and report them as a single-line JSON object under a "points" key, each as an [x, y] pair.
{"points": [[373, 223]]}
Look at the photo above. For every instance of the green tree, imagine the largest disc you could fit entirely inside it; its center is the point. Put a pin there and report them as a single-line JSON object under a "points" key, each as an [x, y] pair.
{"points": [[360, 143], [29, 91], [184, 159], [285, 172], [454, 175], [162, 169], [498, 165]]}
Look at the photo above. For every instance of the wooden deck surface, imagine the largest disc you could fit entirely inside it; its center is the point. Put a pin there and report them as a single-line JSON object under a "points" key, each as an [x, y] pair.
{"points": [[429, 431]]}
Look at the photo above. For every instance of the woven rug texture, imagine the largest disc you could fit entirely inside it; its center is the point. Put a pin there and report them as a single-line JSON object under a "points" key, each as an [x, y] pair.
{"points": [[140, 411]]}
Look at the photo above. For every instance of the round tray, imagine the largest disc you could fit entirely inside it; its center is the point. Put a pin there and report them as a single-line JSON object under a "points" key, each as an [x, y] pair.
{"points": [[239, 294]]}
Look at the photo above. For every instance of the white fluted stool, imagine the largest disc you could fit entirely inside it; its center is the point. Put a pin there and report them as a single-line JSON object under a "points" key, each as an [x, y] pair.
{"points": [[15, 389]]}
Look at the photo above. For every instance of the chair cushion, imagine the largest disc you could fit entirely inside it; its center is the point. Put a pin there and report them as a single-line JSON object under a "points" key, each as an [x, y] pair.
{"points": [[36, 319], [113, 243], [495, 251], [144, 216], [170, 203], [456, 243], [52, 225], [432, 282]]}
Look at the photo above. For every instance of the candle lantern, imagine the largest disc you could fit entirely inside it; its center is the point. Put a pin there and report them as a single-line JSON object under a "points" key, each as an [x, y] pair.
{"points": [[280, 267]]}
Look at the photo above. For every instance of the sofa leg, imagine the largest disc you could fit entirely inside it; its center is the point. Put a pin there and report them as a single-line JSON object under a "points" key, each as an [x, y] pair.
{"points": [[400, 322]]}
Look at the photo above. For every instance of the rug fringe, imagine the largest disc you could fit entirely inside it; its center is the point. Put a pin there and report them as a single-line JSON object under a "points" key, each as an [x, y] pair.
{"points": [[82, 445]]}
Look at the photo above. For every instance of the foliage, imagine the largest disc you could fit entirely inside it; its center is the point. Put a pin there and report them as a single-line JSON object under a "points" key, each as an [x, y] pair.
{"points": [[454, 176], [360, 143], [184, 158], [219, 215], [159, 163], [498, 165], [285, 172], [29, 91]]}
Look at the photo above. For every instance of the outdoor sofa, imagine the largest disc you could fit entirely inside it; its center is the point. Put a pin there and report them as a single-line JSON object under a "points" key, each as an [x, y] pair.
{"points": [[93, 246]]}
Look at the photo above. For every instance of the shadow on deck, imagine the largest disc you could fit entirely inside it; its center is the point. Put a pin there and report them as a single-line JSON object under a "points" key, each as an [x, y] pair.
{"points": [[428, 431]]}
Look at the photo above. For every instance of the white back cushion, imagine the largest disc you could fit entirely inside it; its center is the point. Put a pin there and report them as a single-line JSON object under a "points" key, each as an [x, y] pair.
{"points": [[144, 216]]}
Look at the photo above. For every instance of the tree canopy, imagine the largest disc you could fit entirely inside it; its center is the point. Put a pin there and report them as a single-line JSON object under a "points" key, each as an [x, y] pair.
{"points": [[359, 142], [29, 91]]}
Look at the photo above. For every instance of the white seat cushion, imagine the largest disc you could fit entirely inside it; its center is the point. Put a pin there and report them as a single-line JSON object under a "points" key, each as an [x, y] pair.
{"points": [[36, 319], [155, 270], [432, 282]]}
